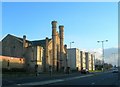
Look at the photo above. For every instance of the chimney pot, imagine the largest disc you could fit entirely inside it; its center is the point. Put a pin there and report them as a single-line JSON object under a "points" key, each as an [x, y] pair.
{"points": [[24, 36], [54, 24], [61, 26]]}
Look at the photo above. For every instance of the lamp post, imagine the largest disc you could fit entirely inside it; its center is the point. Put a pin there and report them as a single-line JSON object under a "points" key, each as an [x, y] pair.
{"points": [[114, 55], [94, 60], [103, 50], [71, 43], [70, 49]]}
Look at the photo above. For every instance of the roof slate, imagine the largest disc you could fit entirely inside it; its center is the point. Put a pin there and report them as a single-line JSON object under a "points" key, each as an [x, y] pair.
{"points": [[34, 43], [39, 42]]}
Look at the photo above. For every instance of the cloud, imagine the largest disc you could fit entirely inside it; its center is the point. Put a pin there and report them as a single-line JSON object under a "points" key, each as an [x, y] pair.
{"points": [[85, 50], [110, 55], [112, 60], [97, 52]]}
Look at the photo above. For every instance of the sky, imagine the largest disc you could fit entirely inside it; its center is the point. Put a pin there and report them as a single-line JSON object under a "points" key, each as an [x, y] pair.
{"points": [[60, 0], [84, 22]]}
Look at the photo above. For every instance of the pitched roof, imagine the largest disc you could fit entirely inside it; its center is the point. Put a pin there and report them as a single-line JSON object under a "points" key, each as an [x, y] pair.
{"points": [[34, 43], [18, 38], [39, 42]]}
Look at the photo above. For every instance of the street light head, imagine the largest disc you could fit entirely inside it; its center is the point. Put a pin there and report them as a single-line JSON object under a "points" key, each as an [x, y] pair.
{"points": [[73, 42], [98, 41], [106, 40]]}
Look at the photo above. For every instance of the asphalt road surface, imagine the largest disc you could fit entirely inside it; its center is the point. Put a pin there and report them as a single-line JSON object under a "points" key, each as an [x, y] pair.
{"points": [[106, 79]]}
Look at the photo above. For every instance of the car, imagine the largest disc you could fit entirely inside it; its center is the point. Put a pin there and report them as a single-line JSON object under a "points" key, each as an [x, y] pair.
{"points": [[84, 71], [87, 71], [115, 71]]}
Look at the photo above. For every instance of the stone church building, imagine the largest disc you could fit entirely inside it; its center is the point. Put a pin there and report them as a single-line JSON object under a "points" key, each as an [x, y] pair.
{"points": [[43, 53]]}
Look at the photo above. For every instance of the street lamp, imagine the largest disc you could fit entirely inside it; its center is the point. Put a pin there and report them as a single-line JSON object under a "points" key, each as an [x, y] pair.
{"points": [[71, 43], [114, 55], [94, 60], [103, 50], [70, 49]]}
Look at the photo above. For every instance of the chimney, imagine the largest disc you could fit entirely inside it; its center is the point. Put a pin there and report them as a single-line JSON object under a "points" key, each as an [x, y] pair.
{"points": [[61, 34], [65, 46], [24, 53], [46, 53], [54, 26], [65, 58], [24, 41]]}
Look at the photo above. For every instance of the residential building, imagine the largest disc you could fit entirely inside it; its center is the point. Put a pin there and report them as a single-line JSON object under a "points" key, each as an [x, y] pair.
{"points": [[92, 61], [83, 59], [88, 60], [74, 61]]}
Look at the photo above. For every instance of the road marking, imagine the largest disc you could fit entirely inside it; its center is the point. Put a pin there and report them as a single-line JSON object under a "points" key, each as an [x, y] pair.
{"points": [[42, 82], [93, 83], [53, 81], [77, 77], [18, 84]]}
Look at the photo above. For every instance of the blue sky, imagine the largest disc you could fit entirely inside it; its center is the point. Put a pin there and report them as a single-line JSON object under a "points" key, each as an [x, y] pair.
{"points": [[84, 22]]}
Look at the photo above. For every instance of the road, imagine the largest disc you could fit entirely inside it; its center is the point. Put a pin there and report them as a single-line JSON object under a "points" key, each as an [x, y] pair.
{"points": [[98, 79], [104, 79]]}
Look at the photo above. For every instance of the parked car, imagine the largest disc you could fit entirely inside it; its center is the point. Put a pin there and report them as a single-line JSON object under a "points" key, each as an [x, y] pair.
{"points": [[87, 71], [115, 71], [84, 71]]}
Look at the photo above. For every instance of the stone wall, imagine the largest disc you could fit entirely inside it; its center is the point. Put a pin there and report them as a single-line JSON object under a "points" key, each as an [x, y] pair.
{"points": [[12, 47], [12, 62]]}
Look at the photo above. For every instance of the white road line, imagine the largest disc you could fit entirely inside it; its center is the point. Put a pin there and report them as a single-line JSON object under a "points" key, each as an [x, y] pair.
{"points": [[77, 77], [42, 82], [93, 83], [53, 81]]}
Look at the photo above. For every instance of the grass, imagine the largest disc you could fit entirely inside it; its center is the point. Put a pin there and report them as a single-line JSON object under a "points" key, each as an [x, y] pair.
{"points": [[95, 70]]}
